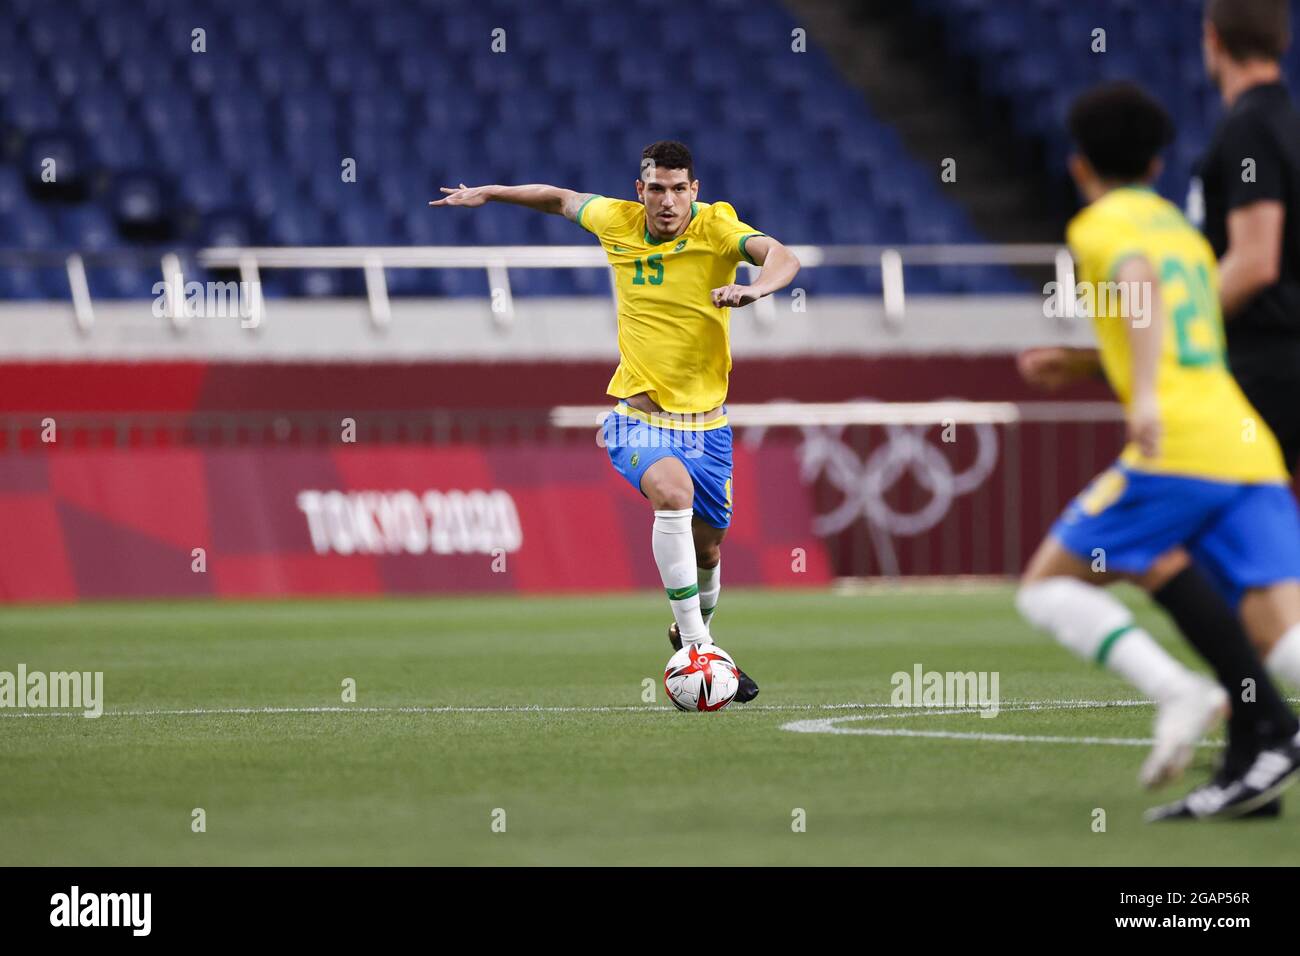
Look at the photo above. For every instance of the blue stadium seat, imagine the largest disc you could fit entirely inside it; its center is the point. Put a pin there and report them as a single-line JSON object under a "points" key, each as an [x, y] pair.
{"points": [[121, 282], [243, 143], [1154, 43], [87, 227], [139, 200], [225, 227]]}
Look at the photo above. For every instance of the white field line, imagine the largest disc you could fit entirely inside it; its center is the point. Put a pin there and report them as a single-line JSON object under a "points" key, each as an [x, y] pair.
{"points": [[832, 725], [997, 738], [887, 711]]}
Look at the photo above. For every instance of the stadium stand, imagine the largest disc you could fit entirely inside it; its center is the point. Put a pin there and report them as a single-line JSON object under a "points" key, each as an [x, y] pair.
{"points": [[1153, 42], [244, 143]]}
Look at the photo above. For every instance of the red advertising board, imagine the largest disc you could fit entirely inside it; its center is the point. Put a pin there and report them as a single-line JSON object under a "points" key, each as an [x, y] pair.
{"points": [[265, 521]]}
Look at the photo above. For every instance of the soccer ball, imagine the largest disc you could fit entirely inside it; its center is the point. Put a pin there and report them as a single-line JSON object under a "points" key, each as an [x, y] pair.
{"points": [[701, 677]]}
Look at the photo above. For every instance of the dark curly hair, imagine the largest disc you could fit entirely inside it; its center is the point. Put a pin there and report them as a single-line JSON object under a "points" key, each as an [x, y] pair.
{"points": [[1119, 128], [669, 154]]}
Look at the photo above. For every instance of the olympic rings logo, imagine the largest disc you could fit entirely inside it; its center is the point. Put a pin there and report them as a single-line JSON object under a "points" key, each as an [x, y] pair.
{"points": [[907, 450]]}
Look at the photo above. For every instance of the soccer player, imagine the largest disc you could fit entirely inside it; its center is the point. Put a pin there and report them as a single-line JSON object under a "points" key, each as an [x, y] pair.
{"points": [[1246, 198], [674, 261], [1190, 476]]}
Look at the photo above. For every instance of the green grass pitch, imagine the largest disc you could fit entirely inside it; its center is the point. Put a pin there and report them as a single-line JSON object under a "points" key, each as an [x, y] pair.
{"points": [[632, 784]]}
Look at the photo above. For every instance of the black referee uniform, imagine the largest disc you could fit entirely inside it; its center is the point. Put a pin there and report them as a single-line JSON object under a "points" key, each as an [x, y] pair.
{"points": [[1264, 335]]}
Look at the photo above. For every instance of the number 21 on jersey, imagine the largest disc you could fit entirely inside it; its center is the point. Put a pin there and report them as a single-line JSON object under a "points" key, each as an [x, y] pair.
{"points": [[1194, 312]]}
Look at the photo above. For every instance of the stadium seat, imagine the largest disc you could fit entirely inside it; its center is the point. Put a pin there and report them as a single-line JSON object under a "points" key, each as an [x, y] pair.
{"points": [[1144, 43], [243, 143]]}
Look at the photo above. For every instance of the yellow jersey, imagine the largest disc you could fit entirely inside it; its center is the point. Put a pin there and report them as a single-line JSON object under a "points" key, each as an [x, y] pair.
{"points": [[1209, 428], [673, 343]]}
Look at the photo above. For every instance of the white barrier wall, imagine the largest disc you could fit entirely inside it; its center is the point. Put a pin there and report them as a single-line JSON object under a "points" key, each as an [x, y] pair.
{"points": [[543, 328]]}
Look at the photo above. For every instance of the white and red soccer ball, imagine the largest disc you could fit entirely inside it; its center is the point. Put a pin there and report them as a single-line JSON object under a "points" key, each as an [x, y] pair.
{"points": [[701, 677]]}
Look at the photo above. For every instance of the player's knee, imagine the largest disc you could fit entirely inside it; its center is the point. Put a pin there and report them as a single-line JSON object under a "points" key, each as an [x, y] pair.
{"points": [[672, 498], [1049, 602], [708, 555], [1079, 615], [668, 486]]}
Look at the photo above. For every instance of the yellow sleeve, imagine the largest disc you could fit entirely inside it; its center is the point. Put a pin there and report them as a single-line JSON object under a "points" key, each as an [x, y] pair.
{"points": [[727, 234], [1100, 247], [593, 215]]}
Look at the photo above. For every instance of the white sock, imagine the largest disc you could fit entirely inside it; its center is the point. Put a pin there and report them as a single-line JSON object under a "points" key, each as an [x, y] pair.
{"points": [[1284, 656], [710, 588], [1097, 627], [674, 549]]}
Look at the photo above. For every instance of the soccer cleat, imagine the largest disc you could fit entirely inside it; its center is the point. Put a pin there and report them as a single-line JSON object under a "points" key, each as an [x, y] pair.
{"points": [[748, 688], [1272, 772], [1270, 811], [1182, 810], [1180, 722], [1256, 792]]}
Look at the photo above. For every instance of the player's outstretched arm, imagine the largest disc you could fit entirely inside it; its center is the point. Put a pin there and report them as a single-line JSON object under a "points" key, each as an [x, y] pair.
{"points": [[780, 266], [552, 199], [1053, 367]]}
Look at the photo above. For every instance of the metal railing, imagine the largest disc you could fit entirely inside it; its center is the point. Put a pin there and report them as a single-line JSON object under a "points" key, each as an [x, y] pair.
{"points": [[831, 414], [498, 260], [273, 429], [372, 261], [488, 426]]}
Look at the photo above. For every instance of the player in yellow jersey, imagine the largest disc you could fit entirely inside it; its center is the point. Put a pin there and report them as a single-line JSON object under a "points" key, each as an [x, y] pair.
{"points": [[1200, 472], [674, 260]]}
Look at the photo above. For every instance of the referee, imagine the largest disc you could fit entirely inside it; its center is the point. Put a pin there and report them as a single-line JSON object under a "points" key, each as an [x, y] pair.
{"points": [[1247, 201]]}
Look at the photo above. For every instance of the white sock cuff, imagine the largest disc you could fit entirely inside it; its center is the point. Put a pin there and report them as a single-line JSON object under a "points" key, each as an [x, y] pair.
{"points": [[1290, 639], [674, 522], [1081, 616], [1284, 657]]}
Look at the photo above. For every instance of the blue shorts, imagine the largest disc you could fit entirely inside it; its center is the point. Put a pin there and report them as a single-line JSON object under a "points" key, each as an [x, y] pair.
{"points": [[1244, 536], [634, 445]]}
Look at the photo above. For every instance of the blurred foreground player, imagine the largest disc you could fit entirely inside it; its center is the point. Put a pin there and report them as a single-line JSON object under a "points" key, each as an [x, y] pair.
{"points": [[1246, 199], [1190, 476], [674, 260]]}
